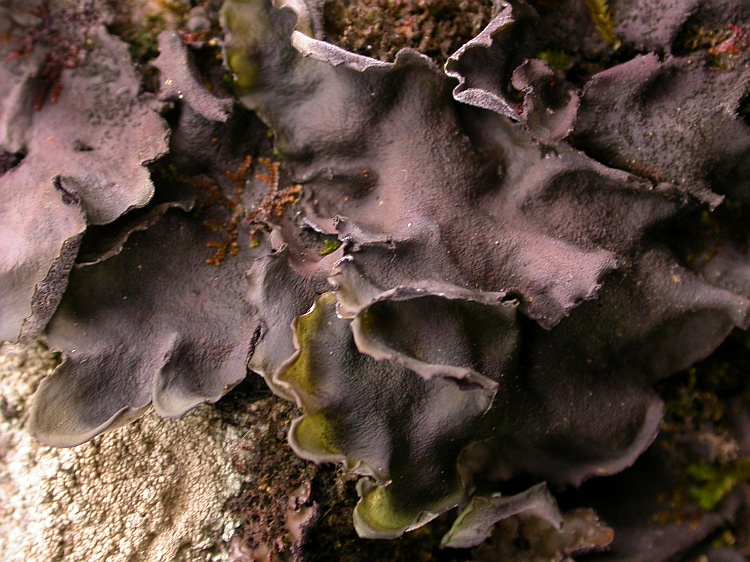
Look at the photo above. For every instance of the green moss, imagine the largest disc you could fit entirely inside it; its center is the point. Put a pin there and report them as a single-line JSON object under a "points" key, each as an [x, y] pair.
{"points": [[695, 398], [558, 60], [696, 38], [605, 26], [144, 42], [725, 540], [691, 404], [329, 246], [697, 408], [714, 482]]}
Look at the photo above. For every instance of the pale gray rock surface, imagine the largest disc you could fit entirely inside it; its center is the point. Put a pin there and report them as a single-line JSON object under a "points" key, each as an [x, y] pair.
{"points": [[154, 490]]}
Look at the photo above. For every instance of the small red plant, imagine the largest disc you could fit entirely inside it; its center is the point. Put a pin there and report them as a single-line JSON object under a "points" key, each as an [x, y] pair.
{"points": [[61, 36], [737, 43]]}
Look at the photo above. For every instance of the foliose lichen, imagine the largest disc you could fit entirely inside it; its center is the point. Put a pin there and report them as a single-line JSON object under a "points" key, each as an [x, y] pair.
{"points": [[511, 257]]}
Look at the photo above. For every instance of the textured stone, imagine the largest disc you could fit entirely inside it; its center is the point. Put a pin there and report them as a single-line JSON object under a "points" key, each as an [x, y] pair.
{"points": [[154, 490]]}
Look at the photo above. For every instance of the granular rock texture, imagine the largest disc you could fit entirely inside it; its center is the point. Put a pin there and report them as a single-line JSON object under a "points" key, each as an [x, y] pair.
{"points": [[152, 491]]}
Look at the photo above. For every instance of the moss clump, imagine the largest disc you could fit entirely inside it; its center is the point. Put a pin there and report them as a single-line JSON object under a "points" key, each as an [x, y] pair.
{"points": [[695, 400], [605, 26], [271, 470], [139, 24], [697, 437], [60, 35], [329, 246], [723, 44], [715, 481], [559, 60], [380, 28]]}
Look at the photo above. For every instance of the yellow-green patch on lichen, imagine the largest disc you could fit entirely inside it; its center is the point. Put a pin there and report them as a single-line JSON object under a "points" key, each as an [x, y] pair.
{"points": [[247, 20], [301, 373], [312, 434], [378, 515]]}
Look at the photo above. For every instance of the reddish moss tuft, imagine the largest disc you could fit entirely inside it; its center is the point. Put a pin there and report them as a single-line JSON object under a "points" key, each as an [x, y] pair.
{"points": [[61, 35]]}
